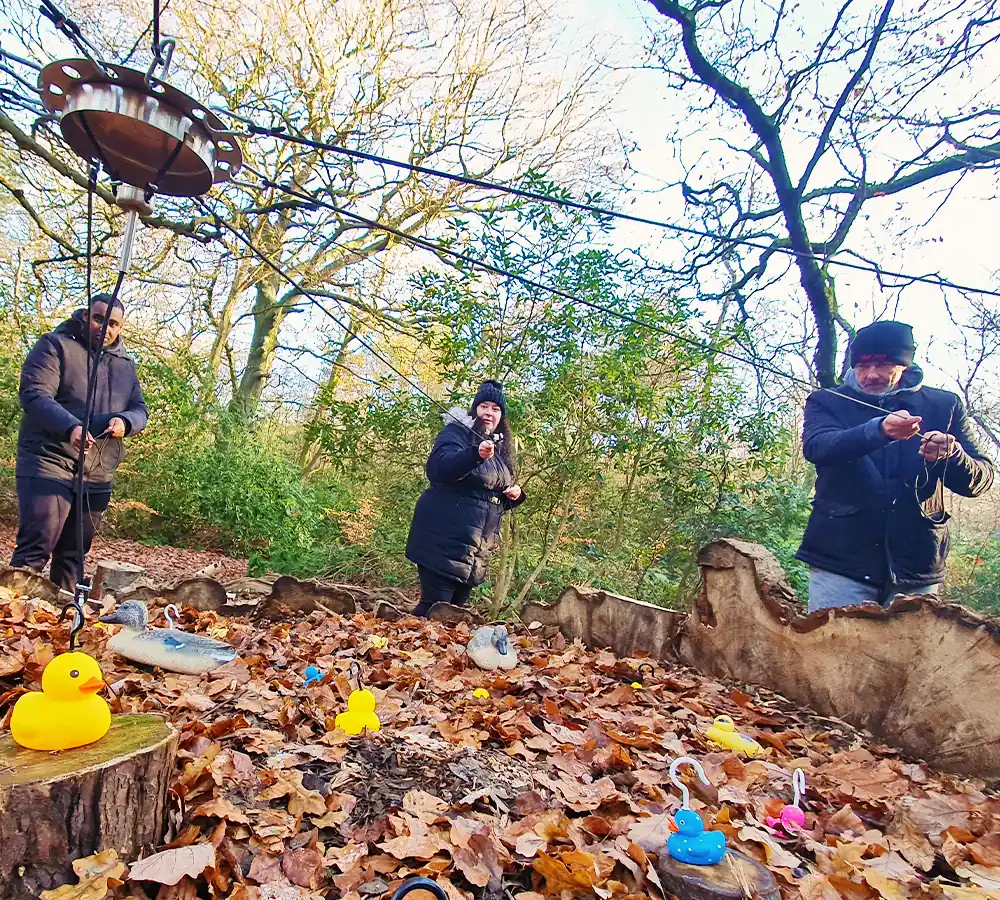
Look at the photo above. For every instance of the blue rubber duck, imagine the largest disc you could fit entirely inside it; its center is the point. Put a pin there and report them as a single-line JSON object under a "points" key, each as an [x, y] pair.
{"points": [[692, 844]]}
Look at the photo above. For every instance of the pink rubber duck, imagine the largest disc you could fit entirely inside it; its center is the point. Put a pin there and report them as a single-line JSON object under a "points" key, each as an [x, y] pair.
{"points": [[791, 820]]}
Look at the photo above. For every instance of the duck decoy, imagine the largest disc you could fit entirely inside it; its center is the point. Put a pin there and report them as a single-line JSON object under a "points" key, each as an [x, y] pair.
{"points": [[67, 712], [723, 732], [791, 819], [692, 844], [169, 648], [490, 648]]}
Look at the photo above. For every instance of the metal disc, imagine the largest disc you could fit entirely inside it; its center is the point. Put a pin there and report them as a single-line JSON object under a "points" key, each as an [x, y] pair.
{"points": [[135, 127]]}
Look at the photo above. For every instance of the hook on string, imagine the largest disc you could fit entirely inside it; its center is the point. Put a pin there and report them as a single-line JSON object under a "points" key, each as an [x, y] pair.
{"points": [[680, 785], [355, 670], [78, 622], [652, 671], [799, 784], [171, 619], [162, 56]]}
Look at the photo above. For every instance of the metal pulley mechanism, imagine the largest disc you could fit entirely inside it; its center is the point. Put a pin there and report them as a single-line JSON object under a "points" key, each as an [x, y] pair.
{"points": [[145, 132]]}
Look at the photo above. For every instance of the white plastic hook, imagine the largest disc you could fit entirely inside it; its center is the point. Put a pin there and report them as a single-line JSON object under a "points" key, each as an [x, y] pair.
{"points": [[685, 793], [171, 619], [799, 783]]}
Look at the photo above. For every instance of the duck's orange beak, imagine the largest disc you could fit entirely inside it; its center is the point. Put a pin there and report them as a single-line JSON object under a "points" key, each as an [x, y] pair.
{"points": [[91, 686]]}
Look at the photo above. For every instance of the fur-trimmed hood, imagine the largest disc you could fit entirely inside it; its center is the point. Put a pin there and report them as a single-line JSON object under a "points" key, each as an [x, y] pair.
{"points": [[458, 416]]}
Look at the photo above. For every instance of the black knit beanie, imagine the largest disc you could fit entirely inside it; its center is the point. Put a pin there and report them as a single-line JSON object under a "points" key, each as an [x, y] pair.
{"points": [[889, 339], [490, 392]]}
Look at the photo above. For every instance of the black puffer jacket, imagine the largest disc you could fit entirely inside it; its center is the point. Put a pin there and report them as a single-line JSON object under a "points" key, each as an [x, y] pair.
{"points": [[53, 395], [456, 524], [871, 521]]}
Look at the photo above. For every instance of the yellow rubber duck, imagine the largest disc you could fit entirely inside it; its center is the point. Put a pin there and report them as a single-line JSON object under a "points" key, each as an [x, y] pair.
{"points": [[67, 712], [360, 713], [723, 732]]}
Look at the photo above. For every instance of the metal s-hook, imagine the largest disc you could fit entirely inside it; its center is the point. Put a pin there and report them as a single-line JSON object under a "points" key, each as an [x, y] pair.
{"points": [[78, 620], [355, 670], [652, 672], [799, 783], [685, 793], [171, 619]]}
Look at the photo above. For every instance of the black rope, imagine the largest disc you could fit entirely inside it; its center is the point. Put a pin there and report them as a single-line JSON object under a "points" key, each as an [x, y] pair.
{"points": [[936, 280], [97, 149], [157, 52], [153, 186]]}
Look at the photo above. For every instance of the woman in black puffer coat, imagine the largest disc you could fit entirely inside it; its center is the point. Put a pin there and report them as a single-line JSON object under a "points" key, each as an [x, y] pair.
{"points": [[456, 524]]}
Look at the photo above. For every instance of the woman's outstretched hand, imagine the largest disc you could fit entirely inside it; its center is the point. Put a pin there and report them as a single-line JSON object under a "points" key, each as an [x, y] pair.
{"points": [[513, 493], [486, 450]]}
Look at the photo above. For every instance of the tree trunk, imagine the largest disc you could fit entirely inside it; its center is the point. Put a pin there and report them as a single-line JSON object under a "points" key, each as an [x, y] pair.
{"points": [[59, 807], [508, 556], [268, 314]]}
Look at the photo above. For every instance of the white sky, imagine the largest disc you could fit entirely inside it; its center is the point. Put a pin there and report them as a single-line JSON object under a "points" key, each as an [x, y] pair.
{"points": [[969, 223]]}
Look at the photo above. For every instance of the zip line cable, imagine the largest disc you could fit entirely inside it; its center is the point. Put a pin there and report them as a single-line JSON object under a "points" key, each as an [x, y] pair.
{"points": [[267, 261], [439, 250], [704, 346], [281, 134]]}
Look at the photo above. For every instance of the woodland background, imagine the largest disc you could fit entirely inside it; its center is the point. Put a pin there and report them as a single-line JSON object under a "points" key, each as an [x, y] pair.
{"points": [[279, 431]]}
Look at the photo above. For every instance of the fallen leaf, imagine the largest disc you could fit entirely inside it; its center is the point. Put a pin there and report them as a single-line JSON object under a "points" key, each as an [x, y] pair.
{"points": [[300, 800], [986, 850], [303, 867], [776, 854], [576, 872], [887, 888], [895, 867], [96, 875], [935, 813], [170, 866], [981, 876], [910, 841], [818, 887]]}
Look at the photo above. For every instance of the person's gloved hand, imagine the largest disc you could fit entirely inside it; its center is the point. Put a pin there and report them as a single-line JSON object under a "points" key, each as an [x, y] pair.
{"points": [[486, 450], [513, 493]]}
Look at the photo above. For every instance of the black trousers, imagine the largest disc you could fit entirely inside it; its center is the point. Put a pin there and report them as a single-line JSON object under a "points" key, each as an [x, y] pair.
{"points": [[47, 527], [436, 588]]}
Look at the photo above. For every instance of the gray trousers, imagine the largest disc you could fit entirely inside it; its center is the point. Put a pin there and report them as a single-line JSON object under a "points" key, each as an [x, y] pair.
{"points": [[828, 591]]}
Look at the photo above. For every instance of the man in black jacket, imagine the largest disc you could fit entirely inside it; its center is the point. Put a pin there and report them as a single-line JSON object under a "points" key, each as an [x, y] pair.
{"points": [[878, 526], [53, 394]]}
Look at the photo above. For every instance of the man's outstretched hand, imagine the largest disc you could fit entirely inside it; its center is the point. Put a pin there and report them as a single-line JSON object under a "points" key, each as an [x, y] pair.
{"points": [[900, 425]]}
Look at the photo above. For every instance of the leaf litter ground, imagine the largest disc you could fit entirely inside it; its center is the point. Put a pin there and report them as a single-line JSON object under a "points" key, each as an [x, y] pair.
{"points": [[556, 785]]}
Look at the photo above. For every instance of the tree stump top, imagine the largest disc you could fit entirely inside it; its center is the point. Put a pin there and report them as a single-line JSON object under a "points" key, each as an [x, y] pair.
{"points": [[718, 882], [128, 735]]}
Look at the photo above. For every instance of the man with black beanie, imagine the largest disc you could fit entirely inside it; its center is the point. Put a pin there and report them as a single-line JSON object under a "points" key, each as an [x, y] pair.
{"points": [[53, 394], [878, 526]]}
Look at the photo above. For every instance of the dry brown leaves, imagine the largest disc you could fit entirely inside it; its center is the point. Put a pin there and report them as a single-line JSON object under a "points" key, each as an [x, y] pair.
{"points": [[554, 786]]}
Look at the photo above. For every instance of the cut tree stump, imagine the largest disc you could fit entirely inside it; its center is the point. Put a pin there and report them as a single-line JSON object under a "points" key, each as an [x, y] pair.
{"points": [[114, 577], [58, 807], [718, 882]]}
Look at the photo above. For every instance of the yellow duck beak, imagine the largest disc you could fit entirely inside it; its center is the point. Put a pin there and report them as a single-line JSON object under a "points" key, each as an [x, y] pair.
{"points": [[91, 686]]}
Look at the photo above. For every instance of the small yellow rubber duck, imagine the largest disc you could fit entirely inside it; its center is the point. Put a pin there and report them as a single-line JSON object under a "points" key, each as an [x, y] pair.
{"points": [[481, 694], [723, 732], [67, 712], [360, 713]]}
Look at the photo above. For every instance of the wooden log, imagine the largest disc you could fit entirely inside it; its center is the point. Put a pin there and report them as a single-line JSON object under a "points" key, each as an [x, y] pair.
{"points": [[921, 675], [114, 577], [58, 807], [601, 619], [727, 880]]}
